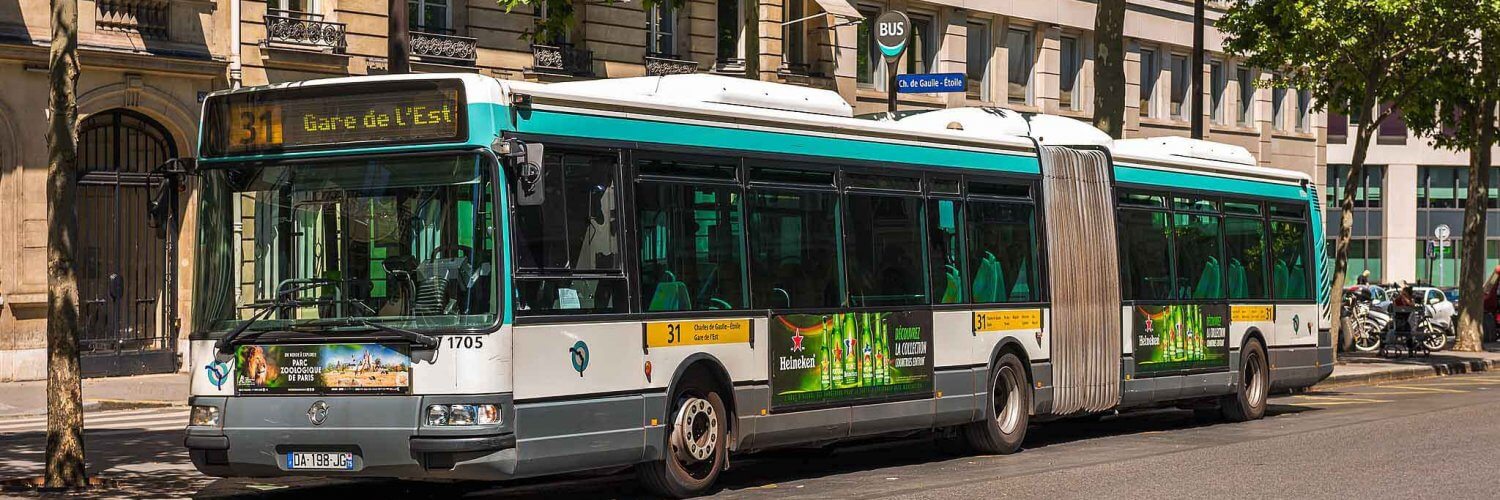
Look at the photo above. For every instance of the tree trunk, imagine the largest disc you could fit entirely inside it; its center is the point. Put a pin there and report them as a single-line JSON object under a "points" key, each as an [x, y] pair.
{"points": [[65, 466], [1109, 68], [1346, 228], [398, 41], [1470, 325]]}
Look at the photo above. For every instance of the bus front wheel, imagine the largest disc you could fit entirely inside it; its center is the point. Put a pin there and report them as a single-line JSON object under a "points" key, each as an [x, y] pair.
{"points": [[1007, 413], [696, 444]]}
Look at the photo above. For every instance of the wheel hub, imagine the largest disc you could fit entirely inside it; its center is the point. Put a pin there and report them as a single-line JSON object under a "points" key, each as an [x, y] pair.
{"points": [[695, 433]]}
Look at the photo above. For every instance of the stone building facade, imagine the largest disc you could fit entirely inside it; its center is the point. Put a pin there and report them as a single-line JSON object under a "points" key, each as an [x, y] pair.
{"points": [[148, 63]]}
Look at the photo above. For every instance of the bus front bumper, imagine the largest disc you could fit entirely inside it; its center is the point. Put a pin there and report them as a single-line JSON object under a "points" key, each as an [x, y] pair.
{"points": [[382, 434]]}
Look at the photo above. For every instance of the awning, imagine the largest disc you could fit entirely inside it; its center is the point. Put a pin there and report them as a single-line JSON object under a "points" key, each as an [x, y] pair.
{"points": [[841, 8]]}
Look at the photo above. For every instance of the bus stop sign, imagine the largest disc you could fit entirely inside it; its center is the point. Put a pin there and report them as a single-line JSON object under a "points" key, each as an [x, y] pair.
{"points": [[892, 30]]}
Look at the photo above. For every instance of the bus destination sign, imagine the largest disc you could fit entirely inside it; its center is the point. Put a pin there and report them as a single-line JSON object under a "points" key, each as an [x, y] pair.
{"points": [[323, 117]]}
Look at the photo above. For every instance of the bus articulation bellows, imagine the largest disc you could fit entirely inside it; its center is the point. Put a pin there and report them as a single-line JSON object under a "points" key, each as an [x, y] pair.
{"points": [[458, 277]]}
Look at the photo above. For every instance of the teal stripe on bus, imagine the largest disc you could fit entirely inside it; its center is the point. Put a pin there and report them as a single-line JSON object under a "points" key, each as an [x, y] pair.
{"points": [[1165, 179], [483, 128], [683, 134]]}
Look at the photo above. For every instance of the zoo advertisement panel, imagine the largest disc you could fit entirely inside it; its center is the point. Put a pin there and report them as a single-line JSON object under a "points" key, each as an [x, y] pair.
{"points": [[322, 369], [1181, 337], [833, 359]]}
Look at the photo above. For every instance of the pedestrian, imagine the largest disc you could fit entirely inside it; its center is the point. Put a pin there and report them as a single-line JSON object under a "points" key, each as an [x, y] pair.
{"points": [[1364, 278], [1492, 305]]}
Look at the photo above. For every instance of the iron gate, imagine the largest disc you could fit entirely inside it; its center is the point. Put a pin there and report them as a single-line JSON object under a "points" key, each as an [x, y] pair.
{"points": [[124, 263]]}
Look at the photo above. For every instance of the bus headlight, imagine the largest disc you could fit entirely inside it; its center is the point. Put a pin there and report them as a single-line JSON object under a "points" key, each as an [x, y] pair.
{"points": [[440, 415], [206, 416]]}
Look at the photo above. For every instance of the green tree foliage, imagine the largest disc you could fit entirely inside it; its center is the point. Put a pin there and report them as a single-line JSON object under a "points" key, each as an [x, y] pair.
{"points": [[561, 15], [1353, 56], [1455, 108]]}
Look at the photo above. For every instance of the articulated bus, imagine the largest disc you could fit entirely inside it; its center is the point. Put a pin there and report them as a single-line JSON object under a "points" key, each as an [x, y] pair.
{"points": [[459, 277]]}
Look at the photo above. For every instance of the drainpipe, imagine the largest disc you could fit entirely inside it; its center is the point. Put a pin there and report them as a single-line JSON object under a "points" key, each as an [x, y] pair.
{"points": [[235, 70]]}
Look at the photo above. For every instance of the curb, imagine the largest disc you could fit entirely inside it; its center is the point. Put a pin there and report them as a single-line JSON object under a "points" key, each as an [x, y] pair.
{"points": [[1408, 373]]}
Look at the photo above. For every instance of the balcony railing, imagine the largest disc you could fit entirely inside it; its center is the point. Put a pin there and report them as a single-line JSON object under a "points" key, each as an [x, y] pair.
{"points": [[445, 48], [562, 59], [147, 18], [304, 29], [661, 64]]}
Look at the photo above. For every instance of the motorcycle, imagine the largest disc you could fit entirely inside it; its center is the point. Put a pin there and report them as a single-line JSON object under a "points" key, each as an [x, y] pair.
{"points": [[1368, 319]]}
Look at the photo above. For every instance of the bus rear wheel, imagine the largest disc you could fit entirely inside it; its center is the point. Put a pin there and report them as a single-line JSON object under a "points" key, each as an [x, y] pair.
{"points": [[697, 446], [1249, 400], [1007, 413]]}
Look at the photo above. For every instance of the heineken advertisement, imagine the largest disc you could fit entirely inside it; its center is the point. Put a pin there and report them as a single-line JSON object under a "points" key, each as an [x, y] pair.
{"points": [[1181, 337], [830, 359]]}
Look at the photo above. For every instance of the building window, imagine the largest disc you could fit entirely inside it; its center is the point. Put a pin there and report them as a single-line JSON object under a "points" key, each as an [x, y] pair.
{"points": [[794, 36], [1304, 111], [302, 8], [1438, 265], [428, 15], [1072, 61], [1364, 255], [868, 60], [661, 30], [1338, 128], [1149, 74], [1018, 49], [977, 61], [731, 39], [1366, 195], [1247, 96], [1278, 103], [539, 20], [1181, 84], [1219, 83], [921, 56], [1393, 129], [1448, 187]]}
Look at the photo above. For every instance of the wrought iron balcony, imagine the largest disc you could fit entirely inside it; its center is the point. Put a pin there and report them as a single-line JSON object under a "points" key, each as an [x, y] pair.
{"points": [[662, 64], [445, 48], [562, 59], [147, 18], [299, 28]]}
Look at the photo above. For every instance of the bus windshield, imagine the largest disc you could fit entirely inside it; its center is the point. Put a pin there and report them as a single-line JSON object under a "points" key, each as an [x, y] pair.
{"points": [[406, 242]]}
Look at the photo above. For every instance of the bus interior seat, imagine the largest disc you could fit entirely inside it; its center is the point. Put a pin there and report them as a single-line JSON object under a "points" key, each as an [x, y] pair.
{"points": [[670, 295], [1238, 284], [441, 281], [988, 279], [1208, 282], [1022, 291], [1280, 276], [953, 293]]}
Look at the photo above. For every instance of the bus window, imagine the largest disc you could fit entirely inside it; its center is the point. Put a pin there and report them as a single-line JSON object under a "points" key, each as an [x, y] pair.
{"points": [[1002, 252], [1145, 250], [1200, 275], [568, 247], [794, 254], [690, 247], [1289, 264], [1245, 250], [883, 247], [947, 264]]}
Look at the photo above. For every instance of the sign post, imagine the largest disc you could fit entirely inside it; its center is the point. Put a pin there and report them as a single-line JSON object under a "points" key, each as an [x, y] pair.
{"points": [[1442, 232], [892, 32]]}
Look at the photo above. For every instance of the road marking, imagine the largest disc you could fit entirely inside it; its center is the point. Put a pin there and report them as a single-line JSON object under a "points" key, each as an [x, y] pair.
{"points": [[112, 423], [1425, 389], [1343, 399]]}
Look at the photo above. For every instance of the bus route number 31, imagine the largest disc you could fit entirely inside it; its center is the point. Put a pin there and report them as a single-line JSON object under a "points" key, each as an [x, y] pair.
{"points": [[676, 333]]}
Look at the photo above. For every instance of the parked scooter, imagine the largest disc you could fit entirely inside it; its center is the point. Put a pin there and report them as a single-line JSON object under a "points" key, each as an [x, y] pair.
{"points": [[1368, 316]]}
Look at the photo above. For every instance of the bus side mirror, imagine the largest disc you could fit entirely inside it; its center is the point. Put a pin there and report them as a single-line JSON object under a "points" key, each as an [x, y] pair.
{"points": [[530, 188]]}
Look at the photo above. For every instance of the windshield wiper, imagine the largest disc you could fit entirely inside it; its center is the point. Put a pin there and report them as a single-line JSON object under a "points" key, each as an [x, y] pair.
{"points": [[420, 339], [227, 342]]}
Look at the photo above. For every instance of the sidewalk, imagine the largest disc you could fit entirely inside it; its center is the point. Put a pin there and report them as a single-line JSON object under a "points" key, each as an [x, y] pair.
{"points": [[30, 397], [1363, 368]]}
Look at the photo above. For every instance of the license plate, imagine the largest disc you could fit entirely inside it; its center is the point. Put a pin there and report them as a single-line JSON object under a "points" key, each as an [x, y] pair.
{"points": [[301, 460]]}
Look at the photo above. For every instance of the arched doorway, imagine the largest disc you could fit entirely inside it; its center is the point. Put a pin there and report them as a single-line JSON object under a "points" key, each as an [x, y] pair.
{"points": [[123, 261]]}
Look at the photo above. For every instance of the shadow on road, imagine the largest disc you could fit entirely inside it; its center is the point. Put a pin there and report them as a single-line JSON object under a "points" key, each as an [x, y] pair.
{"points": [[762, 470], [131, 459]]}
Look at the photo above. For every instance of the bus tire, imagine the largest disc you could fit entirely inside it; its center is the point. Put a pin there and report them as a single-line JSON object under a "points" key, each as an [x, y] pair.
{"points": [[696, 448], [1007, 410], [1249, 399]]}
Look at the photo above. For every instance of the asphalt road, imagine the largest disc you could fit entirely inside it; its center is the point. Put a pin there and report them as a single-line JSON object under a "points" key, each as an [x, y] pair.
{"points": [[1430, 438]]}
